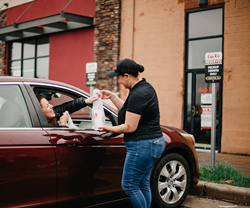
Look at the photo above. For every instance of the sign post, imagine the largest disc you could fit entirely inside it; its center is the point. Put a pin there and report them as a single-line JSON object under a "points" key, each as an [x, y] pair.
{"points": [[213, 127], [91, 70], [213, 74]]}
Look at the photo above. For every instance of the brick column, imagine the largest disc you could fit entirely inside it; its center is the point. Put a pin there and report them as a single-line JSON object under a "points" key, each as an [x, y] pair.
{"points": [[2, 45], [107, 41]]}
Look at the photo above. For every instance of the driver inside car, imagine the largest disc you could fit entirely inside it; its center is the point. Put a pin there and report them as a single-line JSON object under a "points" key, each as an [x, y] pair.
{"points": [[58, 113]]}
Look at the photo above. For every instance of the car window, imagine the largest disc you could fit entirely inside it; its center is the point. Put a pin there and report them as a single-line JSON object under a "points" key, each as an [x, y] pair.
{"points": [[13, 109], [82, 117]]}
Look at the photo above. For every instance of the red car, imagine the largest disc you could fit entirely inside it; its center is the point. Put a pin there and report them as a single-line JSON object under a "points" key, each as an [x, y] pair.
{"points": [[63, 167]]}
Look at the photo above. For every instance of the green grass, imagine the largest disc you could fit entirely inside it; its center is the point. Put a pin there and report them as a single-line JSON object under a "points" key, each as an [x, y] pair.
{"points": [[223, 172]]}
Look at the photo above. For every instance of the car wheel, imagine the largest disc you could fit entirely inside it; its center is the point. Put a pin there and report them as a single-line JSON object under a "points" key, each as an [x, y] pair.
{"points": [[171, 181]]}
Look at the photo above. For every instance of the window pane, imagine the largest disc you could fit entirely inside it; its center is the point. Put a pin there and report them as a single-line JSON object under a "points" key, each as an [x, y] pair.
{"points": [[29, 49], [42, 71], [13, 110], [197, 50], [28, 68], [16, 51], [205, 23], [15, 68], [43, 46], [202, 132]]}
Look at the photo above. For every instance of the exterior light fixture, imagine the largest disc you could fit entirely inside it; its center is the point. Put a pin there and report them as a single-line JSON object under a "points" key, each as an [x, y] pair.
{"points": [[203, 2], [5, 4]]}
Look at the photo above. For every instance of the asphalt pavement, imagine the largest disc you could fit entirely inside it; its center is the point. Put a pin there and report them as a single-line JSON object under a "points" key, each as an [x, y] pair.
{"points": [[221, 191]]}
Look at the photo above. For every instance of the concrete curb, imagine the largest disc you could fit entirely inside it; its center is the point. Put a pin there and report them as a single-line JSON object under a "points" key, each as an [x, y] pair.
{"points": [[221, 191]]}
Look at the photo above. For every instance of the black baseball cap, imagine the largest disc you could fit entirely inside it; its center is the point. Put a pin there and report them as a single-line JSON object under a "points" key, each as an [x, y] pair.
{"points": [[124, 66]]}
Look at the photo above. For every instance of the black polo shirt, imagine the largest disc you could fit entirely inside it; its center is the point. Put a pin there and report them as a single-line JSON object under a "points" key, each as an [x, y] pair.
{"points": [[142, 100]]}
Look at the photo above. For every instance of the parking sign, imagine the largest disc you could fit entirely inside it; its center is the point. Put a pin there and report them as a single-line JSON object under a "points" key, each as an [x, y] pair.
{"points": [[91, 69], [213, 67]]}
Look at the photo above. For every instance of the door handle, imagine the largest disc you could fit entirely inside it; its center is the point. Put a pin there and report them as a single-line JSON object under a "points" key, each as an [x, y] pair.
{"points": [[66, 141], [193, 111]]}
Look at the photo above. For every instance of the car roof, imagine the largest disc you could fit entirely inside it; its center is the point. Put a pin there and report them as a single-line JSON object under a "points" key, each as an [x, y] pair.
{"points": [[38, 81], [25, 79]]}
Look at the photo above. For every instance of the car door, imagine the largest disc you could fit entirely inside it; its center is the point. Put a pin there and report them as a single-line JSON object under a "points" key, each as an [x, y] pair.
{"points": [[27, 159], [89, 162]]}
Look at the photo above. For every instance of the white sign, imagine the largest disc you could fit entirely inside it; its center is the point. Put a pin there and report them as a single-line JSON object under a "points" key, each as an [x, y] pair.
{"points": [[91, 67], [213, 58], [206, 98], [206, 116], [17, 73]]}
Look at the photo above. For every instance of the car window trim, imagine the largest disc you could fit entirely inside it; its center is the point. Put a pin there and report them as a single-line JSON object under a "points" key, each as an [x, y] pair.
{"points": [[32, 113], [38, 110]]}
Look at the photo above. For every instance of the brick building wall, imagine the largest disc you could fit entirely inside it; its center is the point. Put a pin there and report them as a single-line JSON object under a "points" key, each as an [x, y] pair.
{"points": [[235, 137], [2, 45], [236, 83], [107, 41], [153, 34]]}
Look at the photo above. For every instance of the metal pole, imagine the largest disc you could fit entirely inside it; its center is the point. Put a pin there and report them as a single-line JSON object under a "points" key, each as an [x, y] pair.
{"points": [[91, 93], [213, 127]]}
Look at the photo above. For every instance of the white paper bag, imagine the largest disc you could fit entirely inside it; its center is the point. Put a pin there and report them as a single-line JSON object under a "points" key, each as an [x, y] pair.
{"points": [[98, 116]]}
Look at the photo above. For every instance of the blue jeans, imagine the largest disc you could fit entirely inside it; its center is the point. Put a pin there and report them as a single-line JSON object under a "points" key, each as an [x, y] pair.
{"points": [[138, 165]]}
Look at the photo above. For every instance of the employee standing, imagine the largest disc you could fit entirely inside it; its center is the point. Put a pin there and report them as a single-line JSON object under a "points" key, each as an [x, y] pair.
{"points": [[139, 121]]}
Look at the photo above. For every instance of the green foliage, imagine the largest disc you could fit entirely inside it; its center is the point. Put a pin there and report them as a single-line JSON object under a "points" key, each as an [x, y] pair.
{"points": [[222, 173]]}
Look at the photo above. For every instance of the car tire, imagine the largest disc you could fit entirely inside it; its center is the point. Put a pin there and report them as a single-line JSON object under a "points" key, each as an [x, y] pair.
{"points": [[170, 181]]}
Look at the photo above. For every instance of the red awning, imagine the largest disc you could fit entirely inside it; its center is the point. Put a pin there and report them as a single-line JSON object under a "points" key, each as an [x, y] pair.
{"points": [[41, 17]]}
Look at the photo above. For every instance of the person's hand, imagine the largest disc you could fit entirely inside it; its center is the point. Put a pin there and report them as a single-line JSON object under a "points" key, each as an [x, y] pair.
{"points": [[107, 94], [64, 118], [92, 99]]}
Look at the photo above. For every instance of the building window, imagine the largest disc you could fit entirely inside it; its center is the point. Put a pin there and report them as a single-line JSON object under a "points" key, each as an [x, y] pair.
{"points": [[204, 35], [30, 58]]}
